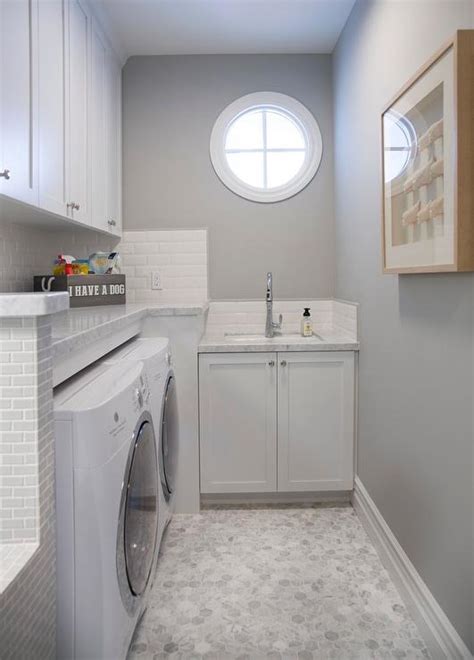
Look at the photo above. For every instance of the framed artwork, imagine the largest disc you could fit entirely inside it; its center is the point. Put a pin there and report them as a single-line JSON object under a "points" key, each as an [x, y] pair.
{"points": [[427, 166]]}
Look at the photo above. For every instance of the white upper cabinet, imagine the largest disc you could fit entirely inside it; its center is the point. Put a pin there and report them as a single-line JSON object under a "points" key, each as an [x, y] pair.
{"points": [[52, 69], [60, 97], [77, 103], [114, 144], [18, 99], [315, 421], [97, 128]]}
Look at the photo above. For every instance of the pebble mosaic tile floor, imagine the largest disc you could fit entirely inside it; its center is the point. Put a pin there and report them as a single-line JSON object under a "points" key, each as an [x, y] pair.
{"points": [[283, 583]]}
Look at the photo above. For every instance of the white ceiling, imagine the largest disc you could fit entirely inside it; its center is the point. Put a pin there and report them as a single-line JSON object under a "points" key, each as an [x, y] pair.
{"points": [[192, 27]]}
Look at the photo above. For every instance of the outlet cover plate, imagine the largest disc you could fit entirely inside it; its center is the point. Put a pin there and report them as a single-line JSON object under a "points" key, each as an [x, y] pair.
{"points": [[156, 281]]}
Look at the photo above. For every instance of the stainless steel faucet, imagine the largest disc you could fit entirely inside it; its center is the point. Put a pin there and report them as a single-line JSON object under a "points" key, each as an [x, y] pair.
{"points": [[271, 328]]}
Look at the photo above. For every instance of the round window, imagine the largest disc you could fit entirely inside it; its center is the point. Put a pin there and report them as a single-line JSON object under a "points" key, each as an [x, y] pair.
{"points": [[400, 145], [266, 146]]}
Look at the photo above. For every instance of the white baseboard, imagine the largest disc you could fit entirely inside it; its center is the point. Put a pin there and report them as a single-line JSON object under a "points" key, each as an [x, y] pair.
{"points": [[440, 635], [302, 498]]}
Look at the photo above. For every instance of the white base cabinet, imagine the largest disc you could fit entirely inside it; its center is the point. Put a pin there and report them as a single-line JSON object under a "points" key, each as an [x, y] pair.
{"points": [[276, 422]]}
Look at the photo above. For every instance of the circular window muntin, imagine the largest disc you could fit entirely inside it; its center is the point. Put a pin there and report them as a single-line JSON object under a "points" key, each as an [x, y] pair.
{"points": [[286, 106]]}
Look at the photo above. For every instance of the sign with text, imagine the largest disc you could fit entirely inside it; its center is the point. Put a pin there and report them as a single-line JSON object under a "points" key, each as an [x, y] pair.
{"points": [[85, 290]]}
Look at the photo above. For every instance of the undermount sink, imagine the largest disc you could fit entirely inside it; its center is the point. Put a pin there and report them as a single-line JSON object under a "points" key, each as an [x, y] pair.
{"points": [[247, 339]]}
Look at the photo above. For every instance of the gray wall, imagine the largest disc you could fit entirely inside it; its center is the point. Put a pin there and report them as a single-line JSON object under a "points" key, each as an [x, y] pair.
{"points": [[416, 360], [170, 106]]}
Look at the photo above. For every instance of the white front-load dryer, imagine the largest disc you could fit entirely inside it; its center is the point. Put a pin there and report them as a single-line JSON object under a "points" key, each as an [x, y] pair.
{"points": [[155, 354], [107, 498]]}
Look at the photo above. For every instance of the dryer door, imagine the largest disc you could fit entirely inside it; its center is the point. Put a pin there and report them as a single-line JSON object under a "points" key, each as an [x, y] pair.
{"points": [[139, 516], [169, 438]]}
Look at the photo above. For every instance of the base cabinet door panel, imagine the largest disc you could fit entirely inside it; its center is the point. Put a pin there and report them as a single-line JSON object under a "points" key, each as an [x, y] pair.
{"points": [[238, 397], [315, 421]]}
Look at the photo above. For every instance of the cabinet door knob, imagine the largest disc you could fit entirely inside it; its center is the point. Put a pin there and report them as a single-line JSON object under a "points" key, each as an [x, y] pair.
{"points": [[283, 363], [5, 174], [73, 206], [271, 363], [111, 223]]}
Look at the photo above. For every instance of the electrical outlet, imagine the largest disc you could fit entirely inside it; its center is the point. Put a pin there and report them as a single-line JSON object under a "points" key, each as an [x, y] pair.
{"points": [[156, 280]]}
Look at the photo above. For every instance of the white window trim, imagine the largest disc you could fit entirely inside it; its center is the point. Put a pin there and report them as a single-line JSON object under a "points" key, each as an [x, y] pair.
{"points": [[306, 122]]}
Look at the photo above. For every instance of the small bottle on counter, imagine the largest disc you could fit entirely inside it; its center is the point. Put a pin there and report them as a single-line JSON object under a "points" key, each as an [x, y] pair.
{"points": [[306, 323]]}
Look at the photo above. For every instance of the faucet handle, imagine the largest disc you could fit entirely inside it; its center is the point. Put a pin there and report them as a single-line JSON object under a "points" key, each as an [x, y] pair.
{"points": [[277, 326]]}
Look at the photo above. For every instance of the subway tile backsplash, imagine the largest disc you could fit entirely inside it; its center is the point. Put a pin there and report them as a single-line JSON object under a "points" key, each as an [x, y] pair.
{"points": [[179, 257], [26, 251], [248, 317]]}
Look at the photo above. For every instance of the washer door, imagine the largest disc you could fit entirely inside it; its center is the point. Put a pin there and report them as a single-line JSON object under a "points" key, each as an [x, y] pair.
{"points": [[138, 523], [169, 438]]}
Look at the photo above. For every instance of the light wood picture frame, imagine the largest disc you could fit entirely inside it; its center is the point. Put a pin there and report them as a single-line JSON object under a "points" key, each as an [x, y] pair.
{"points": [[427, 166]]}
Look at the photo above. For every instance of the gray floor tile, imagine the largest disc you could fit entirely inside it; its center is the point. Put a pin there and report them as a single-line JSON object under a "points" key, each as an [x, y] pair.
{"points": [[288, 583]]}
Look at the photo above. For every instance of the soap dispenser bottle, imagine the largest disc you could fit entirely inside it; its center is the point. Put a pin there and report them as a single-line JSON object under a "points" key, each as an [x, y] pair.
{"points": [[306, 323]]}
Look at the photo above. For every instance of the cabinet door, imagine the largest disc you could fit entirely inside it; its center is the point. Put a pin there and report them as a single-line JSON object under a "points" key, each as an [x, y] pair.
{"points": [[18, 99], [97, 129], [51, 106], [315, 421], [237, 395], [114, 144], [79, 26]]}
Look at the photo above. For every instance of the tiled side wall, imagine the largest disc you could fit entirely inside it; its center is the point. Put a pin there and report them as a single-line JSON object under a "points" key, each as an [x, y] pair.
{"points": [[27, 604], [180, 257], [19, 446], [26, 251]]}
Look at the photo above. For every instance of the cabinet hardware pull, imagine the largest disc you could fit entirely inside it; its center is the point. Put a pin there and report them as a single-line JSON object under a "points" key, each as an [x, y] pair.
{"points": [[271, 363], [5, 174], [73, 206], [283, 363], [111, 223]]}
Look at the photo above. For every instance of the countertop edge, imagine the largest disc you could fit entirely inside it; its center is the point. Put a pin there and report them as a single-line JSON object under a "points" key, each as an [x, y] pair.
{"points": [[27, 305], [278, 348]]}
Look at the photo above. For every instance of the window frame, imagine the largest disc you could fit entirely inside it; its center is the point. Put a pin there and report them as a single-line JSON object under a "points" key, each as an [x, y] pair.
{"points": [[285, 105]]}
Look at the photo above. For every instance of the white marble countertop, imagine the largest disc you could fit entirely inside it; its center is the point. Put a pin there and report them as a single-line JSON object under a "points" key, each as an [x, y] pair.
{"points": [[75, 328], [333, 340], [13, 558], [32, 304]]}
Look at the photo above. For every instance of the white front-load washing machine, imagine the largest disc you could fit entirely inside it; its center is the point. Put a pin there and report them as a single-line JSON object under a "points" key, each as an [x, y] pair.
{"points": [[107, 499], [155, 354]]}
